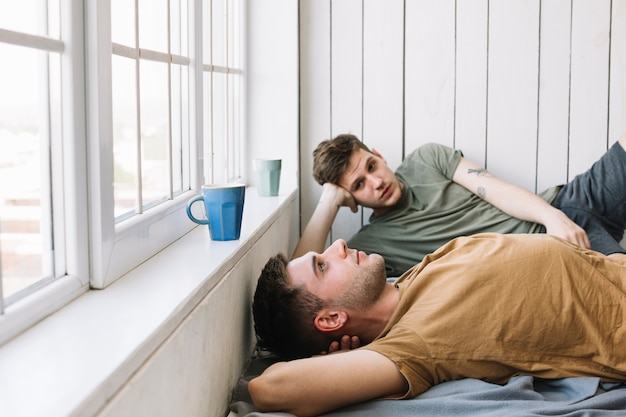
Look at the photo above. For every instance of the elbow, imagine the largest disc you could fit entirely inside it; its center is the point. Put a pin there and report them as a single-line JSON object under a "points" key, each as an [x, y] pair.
{"points": [[267, 397], [263, 396]]}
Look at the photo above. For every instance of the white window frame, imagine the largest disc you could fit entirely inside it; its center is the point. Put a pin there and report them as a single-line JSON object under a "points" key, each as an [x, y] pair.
{"points": [[117, 248], [97, 250], [70, 206]]}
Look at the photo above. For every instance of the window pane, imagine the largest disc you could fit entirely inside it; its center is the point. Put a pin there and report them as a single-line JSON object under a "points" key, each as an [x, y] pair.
{"points": [[25, 211], [234, 29], [123, 14], [124, 136], [23, 16], [206, 32], [219, 131], [180, 129], [153, 25], [207, 134], [218, 38], [154, 132], [234, 128], [179, 28]]}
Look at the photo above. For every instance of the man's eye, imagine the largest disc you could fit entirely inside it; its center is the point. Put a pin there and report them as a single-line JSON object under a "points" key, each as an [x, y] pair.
{"points": [[371, 166], [321, 267]]}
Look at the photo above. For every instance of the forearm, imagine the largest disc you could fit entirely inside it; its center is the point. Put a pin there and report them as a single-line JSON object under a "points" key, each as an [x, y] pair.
{"points": [[518, 202], [313, 386], [513, 200], [316, 231]]}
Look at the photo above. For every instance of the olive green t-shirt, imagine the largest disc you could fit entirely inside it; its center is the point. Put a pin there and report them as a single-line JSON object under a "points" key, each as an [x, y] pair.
{"points": [[433, 210], [494, 306]]}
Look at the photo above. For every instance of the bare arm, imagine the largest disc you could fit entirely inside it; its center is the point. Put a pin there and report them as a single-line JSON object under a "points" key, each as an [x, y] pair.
{"points": [[312, 386], [316, 231], [518, 202]]}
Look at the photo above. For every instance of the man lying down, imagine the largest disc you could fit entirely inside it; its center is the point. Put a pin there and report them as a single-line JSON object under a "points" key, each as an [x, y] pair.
{"points": [[488, 306]]}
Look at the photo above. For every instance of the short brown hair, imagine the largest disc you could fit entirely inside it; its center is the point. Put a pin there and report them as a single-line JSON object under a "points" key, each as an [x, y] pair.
{"points": [[284, 316], [331, 157]]}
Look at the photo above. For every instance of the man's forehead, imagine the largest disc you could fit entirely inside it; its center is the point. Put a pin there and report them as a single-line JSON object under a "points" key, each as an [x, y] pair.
{"points": [[297, 270], [357, 161]]}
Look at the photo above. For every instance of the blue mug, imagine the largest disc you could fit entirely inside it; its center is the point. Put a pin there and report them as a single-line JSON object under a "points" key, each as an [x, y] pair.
{"points": [[223, 205]]}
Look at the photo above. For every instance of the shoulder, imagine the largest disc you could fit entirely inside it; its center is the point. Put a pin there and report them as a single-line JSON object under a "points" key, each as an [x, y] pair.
{"points": [[435, 157], [432, 148]]}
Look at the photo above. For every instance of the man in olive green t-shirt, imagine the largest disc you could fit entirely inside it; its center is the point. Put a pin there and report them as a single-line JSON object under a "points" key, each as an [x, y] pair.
{"points": [[436, 195]]}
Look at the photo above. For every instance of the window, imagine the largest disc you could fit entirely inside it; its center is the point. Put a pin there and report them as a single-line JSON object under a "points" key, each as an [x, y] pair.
{"points": [[31, 105], [111, 117]]}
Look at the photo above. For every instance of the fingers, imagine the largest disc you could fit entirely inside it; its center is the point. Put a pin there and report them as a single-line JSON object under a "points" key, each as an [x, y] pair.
{"points": [[580, 238], [350, 342], [563, 227], [333, 347], [345, 343], [585, 243], [355, 342], [348, 200], [340, 196]]}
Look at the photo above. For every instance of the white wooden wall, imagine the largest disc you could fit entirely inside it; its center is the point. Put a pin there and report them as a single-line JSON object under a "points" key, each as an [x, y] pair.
{"points": [[533, 89]]}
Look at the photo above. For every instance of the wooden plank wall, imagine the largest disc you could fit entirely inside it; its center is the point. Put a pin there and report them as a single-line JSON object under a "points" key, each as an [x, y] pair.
{"points": [[533, 89]]}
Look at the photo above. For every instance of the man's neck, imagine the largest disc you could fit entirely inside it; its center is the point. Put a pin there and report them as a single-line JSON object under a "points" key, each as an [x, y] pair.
{"points": [[370, 323]]}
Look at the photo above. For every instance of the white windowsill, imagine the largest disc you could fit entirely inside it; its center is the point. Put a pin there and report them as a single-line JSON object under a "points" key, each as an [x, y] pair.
{"points": [[75, 360]]}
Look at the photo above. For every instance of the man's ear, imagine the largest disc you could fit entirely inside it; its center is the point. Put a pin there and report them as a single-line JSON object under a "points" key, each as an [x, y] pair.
{"points": [[330, 320]]}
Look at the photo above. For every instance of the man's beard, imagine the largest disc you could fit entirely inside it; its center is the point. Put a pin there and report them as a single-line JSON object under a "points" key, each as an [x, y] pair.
{"points": [[366, 288]]}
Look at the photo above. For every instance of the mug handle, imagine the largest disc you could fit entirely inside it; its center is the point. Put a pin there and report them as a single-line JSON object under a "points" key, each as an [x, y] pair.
{"points": [[190, 215]]}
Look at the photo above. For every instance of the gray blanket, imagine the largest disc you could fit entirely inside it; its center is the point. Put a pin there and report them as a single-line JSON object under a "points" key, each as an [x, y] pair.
{"points": [[522, 396]]}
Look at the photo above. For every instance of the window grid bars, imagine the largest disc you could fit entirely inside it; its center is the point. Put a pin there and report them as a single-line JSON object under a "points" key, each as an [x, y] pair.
{"points": [[44, 45], [168, 58], [138, 166], [31, 41], [226, 96], [169, 103], [209, 169]]}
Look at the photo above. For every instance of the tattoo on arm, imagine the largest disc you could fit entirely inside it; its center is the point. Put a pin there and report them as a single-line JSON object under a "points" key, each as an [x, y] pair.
{"points": [[479, 172]]}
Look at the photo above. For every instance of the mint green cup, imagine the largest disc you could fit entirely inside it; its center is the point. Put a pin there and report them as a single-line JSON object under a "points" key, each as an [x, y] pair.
{"points": [[268, 176]]}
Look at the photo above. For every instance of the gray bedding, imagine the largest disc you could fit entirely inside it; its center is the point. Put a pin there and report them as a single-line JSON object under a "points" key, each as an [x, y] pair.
{"points": [[521, 396]]}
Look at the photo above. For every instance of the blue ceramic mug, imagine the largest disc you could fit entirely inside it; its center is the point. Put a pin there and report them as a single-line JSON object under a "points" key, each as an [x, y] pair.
{"points": [[223, 205]]}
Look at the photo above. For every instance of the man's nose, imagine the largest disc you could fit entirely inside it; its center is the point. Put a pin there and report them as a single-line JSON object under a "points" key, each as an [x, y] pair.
{"points": [[376, 181], [340, 247]]}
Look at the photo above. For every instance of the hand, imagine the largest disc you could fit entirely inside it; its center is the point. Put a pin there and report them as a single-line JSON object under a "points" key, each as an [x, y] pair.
{"points": [[339, 196], [561, 226], [346, 343]]}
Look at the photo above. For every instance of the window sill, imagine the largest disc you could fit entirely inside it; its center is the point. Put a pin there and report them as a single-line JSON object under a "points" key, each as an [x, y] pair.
{"points": [[74, 361]]}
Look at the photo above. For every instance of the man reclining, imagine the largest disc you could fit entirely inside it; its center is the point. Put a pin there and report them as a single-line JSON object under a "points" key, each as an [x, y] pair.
{"points": [[437, 194], [488, 306]]}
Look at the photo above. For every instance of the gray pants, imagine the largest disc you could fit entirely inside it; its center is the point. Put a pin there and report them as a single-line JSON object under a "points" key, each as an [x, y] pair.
{"points": [[596, 201]]}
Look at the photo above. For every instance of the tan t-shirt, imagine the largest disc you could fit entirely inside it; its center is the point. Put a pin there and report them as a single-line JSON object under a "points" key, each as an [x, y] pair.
{"points": [[493, 306]]}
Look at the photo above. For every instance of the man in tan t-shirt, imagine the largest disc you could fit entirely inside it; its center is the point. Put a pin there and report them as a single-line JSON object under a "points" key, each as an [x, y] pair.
{"points": [[488, 306]]}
